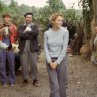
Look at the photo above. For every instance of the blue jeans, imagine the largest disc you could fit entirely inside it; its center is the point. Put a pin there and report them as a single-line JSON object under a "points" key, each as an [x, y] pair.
{"points": [[9, 56]]}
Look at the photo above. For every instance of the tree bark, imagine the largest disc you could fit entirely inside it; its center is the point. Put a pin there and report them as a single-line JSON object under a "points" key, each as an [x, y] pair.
{"points": [[93, 22]]}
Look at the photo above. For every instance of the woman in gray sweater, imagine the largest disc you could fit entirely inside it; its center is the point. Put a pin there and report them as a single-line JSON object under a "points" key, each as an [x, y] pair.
{"points": [[55, 47]]}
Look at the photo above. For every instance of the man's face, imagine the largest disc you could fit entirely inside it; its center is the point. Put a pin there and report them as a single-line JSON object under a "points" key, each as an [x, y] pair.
{"points": [[7, 20], [28, 19]]}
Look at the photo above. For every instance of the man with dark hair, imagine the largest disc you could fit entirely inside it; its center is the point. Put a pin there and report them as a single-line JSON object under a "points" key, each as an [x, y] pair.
{"points": [[7, 37], [28, 45], [29, 13]]}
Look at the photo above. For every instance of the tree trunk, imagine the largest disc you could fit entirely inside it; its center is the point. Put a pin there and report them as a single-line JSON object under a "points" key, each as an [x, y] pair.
{"points": [[93, 22], [94, 2]]}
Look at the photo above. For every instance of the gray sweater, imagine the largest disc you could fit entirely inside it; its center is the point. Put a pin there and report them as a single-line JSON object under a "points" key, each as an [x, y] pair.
{"points": [[55, 44]]}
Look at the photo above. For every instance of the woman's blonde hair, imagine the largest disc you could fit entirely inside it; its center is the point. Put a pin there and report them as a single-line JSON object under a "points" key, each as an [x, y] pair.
{"points": [[54, 16]]}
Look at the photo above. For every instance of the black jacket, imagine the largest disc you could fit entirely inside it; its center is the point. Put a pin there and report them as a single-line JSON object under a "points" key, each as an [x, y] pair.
{"points": [[29, 35]]}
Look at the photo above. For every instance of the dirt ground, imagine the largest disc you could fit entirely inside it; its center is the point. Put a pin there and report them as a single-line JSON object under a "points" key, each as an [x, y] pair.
{"points": [[82, 81]]}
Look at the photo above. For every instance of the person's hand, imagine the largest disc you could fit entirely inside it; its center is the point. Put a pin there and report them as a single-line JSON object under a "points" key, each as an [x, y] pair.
{"points": [[3, 45], [54, 65], [51, 65], [15, 48], [27, 29], [69, 50]]}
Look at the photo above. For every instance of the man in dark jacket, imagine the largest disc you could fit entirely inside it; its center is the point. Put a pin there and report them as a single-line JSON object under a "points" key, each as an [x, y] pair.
{"points": [[28, 45]]}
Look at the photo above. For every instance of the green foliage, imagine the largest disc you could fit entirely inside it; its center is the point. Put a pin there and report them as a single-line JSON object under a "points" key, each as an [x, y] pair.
{"points": [[87, 16], [56, 5], [1, 6], [41, 15]]}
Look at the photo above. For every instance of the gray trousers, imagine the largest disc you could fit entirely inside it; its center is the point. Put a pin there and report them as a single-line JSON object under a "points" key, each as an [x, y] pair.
{"points": [[29, 62], [58, 79]]}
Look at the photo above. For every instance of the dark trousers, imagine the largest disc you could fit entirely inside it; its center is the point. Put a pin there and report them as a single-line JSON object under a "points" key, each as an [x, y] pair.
{"points": [[11, 68], [58, 79]]}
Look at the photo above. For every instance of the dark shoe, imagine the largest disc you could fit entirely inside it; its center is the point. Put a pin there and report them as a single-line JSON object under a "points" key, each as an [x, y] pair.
{"points": [[35, 83], [25, 82]]}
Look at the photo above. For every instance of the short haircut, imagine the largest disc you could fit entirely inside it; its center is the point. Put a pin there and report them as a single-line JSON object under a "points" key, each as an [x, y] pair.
{"points": [[54, 16], [6, 15], [28, 13]]}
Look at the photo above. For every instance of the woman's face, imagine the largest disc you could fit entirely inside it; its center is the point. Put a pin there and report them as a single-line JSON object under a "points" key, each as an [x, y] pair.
{"points": [[58, 22]]}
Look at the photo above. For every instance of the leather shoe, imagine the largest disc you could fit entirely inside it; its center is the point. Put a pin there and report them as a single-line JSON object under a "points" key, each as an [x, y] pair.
{"points": [[25, 82], [35, 83]]}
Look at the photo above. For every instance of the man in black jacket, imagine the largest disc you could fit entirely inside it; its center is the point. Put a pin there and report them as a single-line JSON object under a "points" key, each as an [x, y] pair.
{"points": [[28, 45]]}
